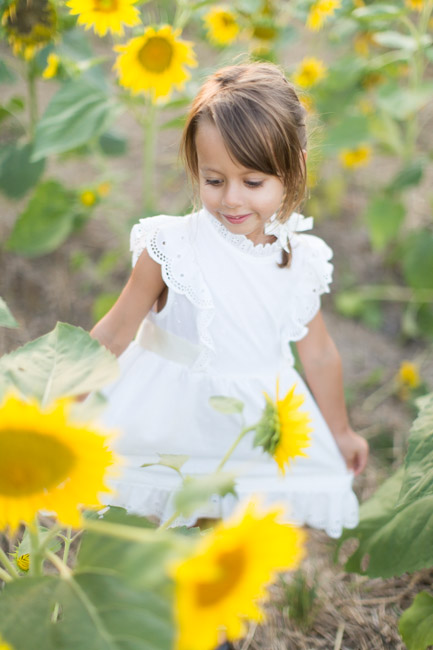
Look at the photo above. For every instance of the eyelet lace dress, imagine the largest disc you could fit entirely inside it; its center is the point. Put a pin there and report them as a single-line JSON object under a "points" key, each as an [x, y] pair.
{"points": [[226, 329]]}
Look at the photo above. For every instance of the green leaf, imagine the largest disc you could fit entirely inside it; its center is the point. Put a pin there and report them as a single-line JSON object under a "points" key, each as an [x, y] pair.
{"points": [[384, 217], [418, 259], [78, 112], [411, 174], [97, 611], [113, 144], [174, 461], [17, 173], [7, 75], [225, 404], [377, 12], [6, 318], [386, 131], [46, 222], [350, 303], [396, 523], [103, 304], [401, 102], [65, 362], [25, 545], [348, 133], [397, 40], [196, 492], [416, 623]]}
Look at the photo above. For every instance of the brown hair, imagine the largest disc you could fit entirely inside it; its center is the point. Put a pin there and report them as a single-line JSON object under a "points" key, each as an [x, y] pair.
{"points": [[262, 122]]}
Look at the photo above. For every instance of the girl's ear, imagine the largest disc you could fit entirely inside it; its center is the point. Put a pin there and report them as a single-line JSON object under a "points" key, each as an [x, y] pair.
{"points": [[304, 151]]}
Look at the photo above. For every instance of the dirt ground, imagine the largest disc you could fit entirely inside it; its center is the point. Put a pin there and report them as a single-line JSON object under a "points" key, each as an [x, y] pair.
{"points": [[353, 613]]}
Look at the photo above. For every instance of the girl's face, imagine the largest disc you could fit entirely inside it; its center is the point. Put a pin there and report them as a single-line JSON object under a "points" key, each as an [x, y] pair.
{"points": [[242, 199]]}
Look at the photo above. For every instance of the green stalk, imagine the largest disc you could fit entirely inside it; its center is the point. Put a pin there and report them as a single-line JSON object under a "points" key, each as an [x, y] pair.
{"points": [[149, 160], [10, 569], [5, 576], [233, 447], [396, 294], [66, 548], [32, 99], [226, 457], [36, 554]]}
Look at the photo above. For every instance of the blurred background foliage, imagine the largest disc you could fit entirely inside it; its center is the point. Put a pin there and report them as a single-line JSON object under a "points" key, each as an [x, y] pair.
{"points": [[366, 82]]}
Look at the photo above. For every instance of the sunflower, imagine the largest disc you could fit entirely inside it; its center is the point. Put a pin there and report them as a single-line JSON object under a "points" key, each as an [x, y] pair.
{"points": [[416, 5], [52, 67], [4, 645], [221, 25], [408, 374], [283, 431], [218, 586], [357, 157], [309, 72], [29, 25], [155, 62], [48, 463], [320, 11], [105, 15]]}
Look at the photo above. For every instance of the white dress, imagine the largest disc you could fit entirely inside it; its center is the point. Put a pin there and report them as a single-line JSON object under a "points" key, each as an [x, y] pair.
{"points": [[226, 329]]}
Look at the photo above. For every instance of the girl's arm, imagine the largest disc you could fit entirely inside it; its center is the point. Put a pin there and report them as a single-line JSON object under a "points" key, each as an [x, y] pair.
{"points": [[119, 326], [323, 371]]}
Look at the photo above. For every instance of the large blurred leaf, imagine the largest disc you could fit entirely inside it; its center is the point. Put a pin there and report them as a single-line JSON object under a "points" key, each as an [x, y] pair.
{"points": [[47, 221], [67, 361], [397, 40], [410, 175], [77, 113], [7, 75], [401, 102], [383, 216], [416, 624], [113, 144], [418, 259], [386, 131], [378, 11], [17, 173], [6, 318], [396, 524], [98, 612], [350, 131], [196, 492]]}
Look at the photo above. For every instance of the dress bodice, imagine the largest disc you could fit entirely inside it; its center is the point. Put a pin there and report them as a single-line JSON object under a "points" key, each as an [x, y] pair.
{"points": [[227, 296]]}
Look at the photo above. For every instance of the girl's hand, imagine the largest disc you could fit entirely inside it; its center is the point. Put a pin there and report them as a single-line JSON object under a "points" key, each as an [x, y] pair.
{"points": [[354, 449]]}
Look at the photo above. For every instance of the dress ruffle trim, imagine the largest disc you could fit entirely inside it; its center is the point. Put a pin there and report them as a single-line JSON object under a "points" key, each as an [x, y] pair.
{"points": [[329, 511], [312, 275], [180, 271]]}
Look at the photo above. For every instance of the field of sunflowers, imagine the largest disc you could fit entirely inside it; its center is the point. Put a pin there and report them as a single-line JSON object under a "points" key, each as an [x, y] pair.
{"points": [[93, 95]]}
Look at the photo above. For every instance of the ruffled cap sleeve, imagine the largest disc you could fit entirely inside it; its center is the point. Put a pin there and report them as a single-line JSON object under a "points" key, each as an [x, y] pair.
{"points": [[311, 275]]}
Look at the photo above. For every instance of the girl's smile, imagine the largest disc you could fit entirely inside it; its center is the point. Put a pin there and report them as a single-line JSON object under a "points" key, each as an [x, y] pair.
{"points": [[240, 198]]}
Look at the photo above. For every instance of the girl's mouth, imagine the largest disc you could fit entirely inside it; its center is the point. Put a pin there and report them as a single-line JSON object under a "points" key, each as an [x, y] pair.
{"points": [[240, 219]]}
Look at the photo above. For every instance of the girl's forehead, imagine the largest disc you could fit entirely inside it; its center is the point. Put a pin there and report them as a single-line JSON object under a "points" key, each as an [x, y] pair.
{"points": [[212, 152]]}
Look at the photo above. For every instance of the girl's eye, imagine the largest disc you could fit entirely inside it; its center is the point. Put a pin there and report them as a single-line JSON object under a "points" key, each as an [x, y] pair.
{"points": [[212, 182], [254, 183]]}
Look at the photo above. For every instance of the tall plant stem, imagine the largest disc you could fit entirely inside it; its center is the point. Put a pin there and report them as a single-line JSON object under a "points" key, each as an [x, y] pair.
{"points": [[10, 569], [32, 99], [149, 159], [5, 576]]}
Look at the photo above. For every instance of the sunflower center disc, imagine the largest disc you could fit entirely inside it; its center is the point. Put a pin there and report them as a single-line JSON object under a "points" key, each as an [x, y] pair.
{"points": [[106, 5], [231, 567], [31, 462], [156, 54], [227, 20]]}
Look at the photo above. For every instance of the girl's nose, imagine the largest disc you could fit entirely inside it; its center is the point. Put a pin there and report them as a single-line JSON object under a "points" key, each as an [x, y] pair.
{"points": [[231, 197]]}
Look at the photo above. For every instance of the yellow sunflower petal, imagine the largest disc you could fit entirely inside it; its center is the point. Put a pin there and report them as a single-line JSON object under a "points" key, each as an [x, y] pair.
{"points": [[221, 25], [219, 586], [105, 15], [48, 462]]}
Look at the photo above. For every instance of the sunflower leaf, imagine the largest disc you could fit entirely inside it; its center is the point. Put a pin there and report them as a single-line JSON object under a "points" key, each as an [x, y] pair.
{"points": [[196, 492], [416, 623], [65, 362], [6, 318], [98, 611], [225, 404]]}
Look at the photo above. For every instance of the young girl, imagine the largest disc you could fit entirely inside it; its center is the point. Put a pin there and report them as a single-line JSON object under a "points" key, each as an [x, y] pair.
{"points": [[217, 297]]}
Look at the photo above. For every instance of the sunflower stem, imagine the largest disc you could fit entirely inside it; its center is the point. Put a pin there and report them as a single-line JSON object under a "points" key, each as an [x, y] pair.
{"points": [[234, 445], [5, 576], [10, 569], [36, 553], [66, 548], [32, 99], [63, 569], [149, 159]]}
